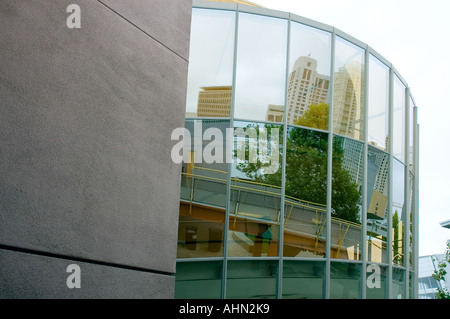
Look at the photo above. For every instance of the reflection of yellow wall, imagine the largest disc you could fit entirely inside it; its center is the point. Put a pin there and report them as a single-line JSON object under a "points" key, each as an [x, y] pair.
{"points": [[399, 251], [378, 204], [375, 249], [353, 252], [239, 1]]}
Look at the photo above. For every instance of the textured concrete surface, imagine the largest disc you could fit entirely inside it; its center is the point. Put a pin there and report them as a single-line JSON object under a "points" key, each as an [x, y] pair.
{"points": [[32, 276], [86, 116], [167, 23]]}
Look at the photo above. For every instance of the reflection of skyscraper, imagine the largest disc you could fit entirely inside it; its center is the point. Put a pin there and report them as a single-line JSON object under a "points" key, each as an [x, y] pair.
{"points": [[347, 99], [306, 87], [377, 198], [353, 159], [214, 101]]}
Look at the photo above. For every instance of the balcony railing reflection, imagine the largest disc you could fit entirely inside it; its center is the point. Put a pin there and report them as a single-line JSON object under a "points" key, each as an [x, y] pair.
{"points": [[203, 197]]}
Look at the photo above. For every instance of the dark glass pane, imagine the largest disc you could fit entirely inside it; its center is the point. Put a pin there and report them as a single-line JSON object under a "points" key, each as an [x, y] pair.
{"points": [[252, 279], [303, 279], [198, 280]]}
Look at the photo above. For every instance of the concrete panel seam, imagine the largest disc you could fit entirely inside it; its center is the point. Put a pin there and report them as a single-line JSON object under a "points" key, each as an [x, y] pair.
{"points": [[84, 260], [143, 31]]}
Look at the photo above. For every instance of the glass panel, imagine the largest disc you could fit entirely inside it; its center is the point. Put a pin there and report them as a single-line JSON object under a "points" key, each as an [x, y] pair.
{"points": [[261, 67], [376, 282], [211, 54], [378, 103], [411, 136], [377, 199], [198, 280], [305, 193], [398, 213], [411, 181], [255, 190], [203, 189], [398, 284], [252, 279], [348, 90], [345, 280], [399, 125], [309, 77], [346, 200], [303, 280]]}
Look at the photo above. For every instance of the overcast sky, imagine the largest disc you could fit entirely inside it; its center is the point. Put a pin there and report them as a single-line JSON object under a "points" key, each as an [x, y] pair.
{"points": [[414, 36]]}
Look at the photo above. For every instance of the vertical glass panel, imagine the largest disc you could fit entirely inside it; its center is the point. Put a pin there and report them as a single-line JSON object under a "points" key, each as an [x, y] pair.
{"points": [[399, 125], [411, 136], [303, 279], [261, 68], [309, 77], [305, 210], [411, 197], [198, 280], [346, 200], [376, 282], [211, 54], [255, 197], [345, 280], [348, 90], [398, 213], [252, 279], [377, 202], [378, 103], [398, 283], [203, 192]]}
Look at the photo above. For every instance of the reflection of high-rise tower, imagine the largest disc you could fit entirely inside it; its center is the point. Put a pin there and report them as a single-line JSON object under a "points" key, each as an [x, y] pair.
{"points": [[353, 159], [214, 101], [378, 162], [306, 87], [347, 116]]}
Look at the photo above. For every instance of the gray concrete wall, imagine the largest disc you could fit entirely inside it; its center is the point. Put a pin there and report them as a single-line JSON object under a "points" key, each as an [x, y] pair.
{"points": [[85, 170]]}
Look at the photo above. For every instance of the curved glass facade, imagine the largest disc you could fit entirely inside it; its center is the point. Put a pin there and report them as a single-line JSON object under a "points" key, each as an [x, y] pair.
{"points": [[299, 170]]}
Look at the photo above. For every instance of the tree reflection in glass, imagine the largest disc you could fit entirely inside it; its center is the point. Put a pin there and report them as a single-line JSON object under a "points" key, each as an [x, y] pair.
{"points": [[255, 193], [305, 190]]}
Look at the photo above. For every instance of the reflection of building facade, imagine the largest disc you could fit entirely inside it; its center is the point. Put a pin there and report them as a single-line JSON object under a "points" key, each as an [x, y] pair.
{"points": [[305, 87], [214, 101], [275, 113]]}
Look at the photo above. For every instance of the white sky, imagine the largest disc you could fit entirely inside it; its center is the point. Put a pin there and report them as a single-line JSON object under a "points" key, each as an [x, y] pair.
{"points": [[414, 36]]}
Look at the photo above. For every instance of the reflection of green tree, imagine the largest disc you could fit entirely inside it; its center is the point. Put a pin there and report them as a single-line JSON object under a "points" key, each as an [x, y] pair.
{"points": [[253, 166], [316, 117], [439, 275], [306, 173]]}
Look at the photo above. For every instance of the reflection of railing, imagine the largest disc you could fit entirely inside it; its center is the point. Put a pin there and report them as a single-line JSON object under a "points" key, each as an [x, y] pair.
{"points": [[260, 202]]}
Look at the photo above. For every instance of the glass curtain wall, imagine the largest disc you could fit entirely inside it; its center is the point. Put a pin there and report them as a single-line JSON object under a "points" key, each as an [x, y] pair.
{"points": [[273, 102]]}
